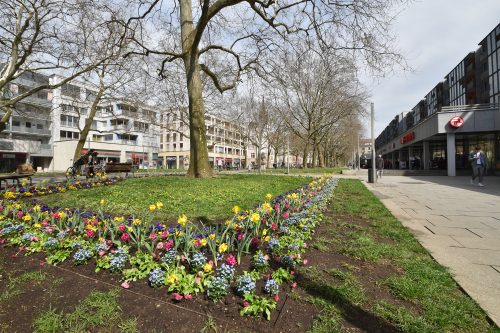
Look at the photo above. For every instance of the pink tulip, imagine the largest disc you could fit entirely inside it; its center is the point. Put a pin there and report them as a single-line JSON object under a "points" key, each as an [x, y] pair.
{"points": [[276, 298], [176, 296], [159, 246], [294, 285], [188, 296], [101, 253], [305, 261], [125, 285]]}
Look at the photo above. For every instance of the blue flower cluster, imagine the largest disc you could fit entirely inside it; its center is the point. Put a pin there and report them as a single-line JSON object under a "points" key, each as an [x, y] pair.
{"points": [[287, 261], [156, 278], [198, 261], [217, 288], [271, 287], [294, 247], [169, 257], [226, 272], [118, 260], [61, 234], [11, 228], [245, 284], [76, 244], [100, 247], [273, 244], [28, 237], [82, 256], [51, 243], [259, 261]]}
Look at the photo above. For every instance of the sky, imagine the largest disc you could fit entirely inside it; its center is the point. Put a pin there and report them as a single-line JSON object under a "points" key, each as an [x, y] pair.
{"points": [[434, 36]]}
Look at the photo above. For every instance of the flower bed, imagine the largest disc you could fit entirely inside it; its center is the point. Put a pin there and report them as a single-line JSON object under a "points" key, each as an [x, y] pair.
{"points": [[31, 191], [188, 258]]}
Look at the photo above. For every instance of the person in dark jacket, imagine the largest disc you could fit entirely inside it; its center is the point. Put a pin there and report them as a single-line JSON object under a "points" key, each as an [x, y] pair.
{"points": [[379, 163], [478, 163]]}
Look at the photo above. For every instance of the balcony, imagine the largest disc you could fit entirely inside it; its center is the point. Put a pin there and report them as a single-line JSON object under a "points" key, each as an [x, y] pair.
{"points": [[26, 130], [32, 100]]}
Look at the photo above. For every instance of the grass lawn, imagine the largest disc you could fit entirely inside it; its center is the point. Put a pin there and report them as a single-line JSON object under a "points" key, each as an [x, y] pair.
{"points": [[319, 171], [370, 272], [207, 199]]}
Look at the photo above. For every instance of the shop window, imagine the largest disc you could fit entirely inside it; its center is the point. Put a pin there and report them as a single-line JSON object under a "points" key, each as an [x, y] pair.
{"points": [[39, 126], [16, 123], [28, 124]]}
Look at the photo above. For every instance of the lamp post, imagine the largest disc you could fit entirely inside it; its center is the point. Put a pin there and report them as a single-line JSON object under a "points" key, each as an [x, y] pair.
{"points": [[288, 154], [373, 170]]}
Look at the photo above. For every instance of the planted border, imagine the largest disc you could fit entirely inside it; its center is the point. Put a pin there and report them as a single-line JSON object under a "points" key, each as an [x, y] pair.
{"points": [[187, 259]]}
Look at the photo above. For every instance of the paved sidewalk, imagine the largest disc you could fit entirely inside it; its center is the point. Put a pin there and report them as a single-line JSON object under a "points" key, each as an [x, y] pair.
{"points": [[458, 223]]}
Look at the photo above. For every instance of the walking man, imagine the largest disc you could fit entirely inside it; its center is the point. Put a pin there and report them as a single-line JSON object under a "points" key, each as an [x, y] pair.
{"points": [[380, 166], [478, 163]]}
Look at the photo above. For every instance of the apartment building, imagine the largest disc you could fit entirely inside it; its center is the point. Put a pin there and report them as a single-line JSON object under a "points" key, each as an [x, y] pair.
{"points": [[45, 128], [459, 113], [226, 145]]}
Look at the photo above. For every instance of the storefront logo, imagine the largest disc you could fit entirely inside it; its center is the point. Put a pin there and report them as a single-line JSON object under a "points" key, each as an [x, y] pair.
{"points": [[456, 122], [407, 137]]}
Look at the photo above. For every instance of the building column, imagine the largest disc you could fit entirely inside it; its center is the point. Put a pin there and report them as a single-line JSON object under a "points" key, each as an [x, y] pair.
{"points": [[426, 158], [177, 158], [393, 165], [165, 162], [450, 153], [410, 155], [400, 157]]}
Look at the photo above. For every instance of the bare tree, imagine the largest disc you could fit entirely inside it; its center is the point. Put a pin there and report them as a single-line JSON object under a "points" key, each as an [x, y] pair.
{"points": [[223, 39], [40, 36]]}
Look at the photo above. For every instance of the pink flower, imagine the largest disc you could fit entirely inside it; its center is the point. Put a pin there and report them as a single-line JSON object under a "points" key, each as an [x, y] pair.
{"points": [[121, 228], [90, 233], [277, 207], [101, 253], [294, 285], [305, 261], [292, 273], [164, 234], [296, 209], [285, 215], [274, 226], [245, 304], [159, 246], [1, 209], [19, 215], [231, 260], [35, 239], [49, 230], [125, 285], [56, 216], [188, 296], [239, 236], [176, 296], [276, 298], [152, 236], [197, 280], [45, 223], [125, 237], [169, 244]]}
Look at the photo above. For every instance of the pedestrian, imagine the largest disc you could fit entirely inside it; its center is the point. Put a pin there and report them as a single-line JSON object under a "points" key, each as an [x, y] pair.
{"points": [[380, 166], [478, 163]]}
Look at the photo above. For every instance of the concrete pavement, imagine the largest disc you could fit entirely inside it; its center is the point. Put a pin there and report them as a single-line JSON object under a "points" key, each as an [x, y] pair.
{"points": [[458, 223]]}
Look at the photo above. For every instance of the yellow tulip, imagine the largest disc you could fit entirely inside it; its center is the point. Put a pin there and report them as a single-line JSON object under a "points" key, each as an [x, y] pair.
{"points": [[159, 205], [222, 248], [182, 220], [236, 209], [255, 217], [207, 268], [152, 207], [269, 196]]}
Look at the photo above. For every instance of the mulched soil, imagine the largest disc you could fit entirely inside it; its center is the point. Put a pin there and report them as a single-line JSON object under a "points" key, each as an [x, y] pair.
{"points": [[156, 311]]}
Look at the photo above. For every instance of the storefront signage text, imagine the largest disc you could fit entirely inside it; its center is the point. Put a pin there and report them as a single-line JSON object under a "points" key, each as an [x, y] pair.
{"points": [[407, 137]]}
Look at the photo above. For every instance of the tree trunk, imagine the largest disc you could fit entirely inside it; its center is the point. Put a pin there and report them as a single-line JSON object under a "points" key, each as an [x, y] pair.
{"points": [[268, 155], [259, 159], [198, 166], [304, 156], [314, 157], [88, 122], [245, 152], [5, 118]]}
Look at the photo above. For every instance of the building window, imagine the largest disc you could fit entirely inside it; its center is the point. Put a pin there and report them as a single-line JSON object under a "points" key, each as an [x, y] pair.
{"points": [[39, 126], [69, 121], [68, 135], [175, 146], [16, 123], [108, 137], [181, 145]]}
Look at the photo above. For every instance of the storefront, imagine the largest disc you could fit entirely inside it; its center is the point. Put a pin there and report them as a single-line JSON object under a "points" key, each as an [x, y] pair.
{"points": [[445, 140]]}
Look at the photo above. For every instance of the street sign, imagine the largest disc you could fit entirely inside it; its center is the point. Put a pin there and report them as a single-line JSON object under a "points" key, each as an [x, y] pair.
{"points": [[456, 122]]}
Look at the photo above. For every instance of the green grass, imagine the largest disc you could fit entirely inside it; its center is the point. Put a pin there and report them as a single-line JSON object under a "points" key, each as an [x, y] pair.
{"points": [[319, 171], [16, 284], [443, 307], [207, 199], [98, 312]]}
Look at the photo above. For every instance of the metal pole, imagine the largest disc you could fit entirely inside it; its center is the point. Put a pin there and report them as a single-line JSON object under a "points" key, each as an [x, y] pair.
{"points": [[357, 155], [374, 170], [288, 154]]}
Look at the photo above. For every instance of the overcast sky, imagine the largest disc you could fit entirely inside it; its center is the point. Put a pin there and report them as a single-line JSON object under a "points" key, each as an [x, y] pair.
{"points": [[434, 36]]}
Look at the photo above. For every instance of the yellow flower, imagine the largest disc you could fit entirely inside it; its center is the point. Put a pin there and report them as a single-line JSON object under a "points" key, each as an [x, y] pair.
{"points": [[207, 268], [222, 248], [27, 217], [130, 229], [152, 207], [101, 239], [172, 279], [182, 220], [266, 206], [37, 225], [159, 205], [236, 209], [203, 242], [264, 232], [102, 202], [62, 215], [211, 236], [269, 196], [118, 219], [267, 238], [136, 222], [28, 194], [255, 217], [36, 208]]}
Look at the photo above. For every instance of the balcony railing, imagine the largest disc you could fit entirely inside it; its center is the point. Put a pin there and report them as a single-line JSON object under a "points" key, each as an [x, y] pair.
{"points": [[26, 130]]}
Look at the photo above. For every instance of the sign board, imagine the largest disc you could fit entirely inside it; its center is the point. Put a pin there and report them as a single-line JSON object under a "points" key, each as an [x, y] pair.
{"points": [[6, 145], [456, 122], [407, 137]]}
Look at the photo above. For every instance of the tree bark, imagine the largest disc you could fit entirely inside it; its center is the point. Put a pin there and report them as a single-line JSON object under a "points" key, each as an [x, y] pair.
{"points": [[304, 155], [198, 166]]}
